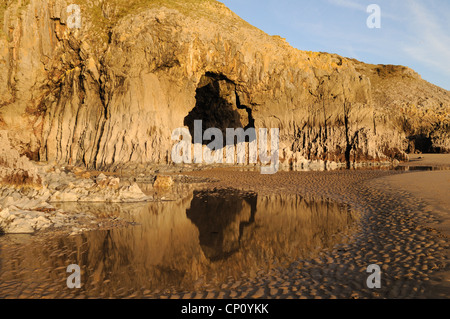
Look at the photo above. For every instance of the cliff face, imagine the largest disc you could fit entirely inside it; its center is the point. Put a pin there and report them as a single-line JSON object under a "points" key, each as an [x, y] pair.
{"points": [[113, 91]]}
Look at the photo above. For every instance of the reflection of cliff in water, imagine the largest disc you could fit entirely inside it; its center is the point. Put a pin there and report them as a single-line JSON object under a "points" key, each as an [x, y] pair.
{"points": [[207, 237], [282, 229], [220, 218]]}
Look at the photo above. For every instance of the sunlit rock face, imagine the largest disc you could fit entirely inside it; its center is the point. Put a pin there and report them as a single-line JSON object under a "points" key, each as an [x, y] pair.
{"points": [[112, 92]]}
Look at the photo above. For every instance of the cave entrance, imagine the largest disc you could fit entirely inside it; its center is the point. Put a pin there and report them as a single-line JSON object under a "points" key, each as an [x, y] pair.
{"points": [[218, 106], [420, 144]]}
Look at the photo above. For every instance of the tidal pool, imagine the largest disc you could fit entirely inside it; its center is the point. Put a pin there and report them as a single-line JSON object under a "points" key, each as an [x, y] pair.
{"points": [[422, 168], [203, 240]]}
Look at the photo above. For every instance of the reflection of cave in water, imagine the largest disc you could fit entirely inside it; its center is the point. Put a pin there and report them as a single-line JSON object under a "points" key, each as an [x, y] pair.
{"points": [[206, 237], [221, 218]]}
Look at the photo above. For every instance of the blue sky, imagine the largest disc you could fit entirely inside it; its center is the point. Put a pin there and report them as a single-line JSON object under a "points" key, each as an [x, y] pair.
{"points": [[414, 33]]}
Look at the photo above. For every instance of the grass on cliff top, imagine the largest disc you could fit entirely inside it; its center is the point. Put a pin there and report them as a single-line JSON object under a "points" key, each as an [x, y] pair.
{"points": [[94, 11], [208, 9], [2, 15], [4, 4]]}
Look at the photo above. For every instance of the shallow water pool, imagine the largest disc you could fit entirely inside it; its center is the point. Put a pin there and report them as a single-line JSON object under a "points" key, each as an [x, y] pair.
{"points": [[204, 240]]}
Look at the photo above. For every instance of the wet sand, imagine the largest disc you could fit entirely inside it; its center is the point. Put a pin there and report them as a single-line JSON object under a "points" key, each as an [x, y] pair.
{"points": [[398, 231], [436, 160], [431, 188]]}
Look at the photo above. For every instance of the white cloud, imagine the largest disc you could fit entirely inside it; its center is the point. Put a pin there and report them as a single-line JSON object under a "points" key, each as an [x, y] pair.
{"points": [[431, 42], [348, 4]]}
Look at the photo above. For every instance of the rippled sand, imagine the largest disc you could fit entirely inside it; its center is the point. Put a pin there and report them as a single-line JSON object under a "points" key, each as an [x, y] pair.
{"points": [[397, 231]]}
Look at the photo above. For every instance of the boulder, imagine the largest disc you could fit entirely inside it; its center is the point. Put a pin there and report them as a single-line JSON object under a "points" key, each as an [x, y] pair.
{"points": [[163, 182]]}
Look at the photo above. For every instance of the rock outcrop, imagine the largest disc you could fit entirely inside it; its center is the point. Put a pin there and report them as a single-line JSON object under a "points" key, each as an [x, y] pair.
{"points": [[112, 92], [16, 170]]}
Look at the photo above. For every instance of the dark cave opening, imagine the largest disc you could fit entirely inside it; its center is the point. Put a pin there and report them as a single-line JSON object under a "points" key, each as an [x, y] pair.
{"points": [[421, 143], [218, 106]]}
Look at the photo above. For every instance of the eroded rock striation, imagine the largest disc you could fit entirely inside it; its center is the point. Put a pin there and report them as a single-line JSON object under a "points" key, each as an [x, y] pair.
{"points": [[112, 92]]}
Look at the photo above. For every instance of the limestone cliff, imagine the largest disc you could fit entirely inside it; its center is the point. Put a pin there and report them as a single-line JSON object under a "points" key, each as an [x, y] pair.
{"points": [[113, 91]]}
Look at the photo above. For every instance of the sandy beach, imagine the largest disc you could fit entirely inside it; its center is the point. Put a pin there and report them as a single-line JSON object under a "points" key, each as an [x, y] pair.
{"points": [[435, 160], [432, 189], [224, 150], [403, 229], [400, 231]]}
